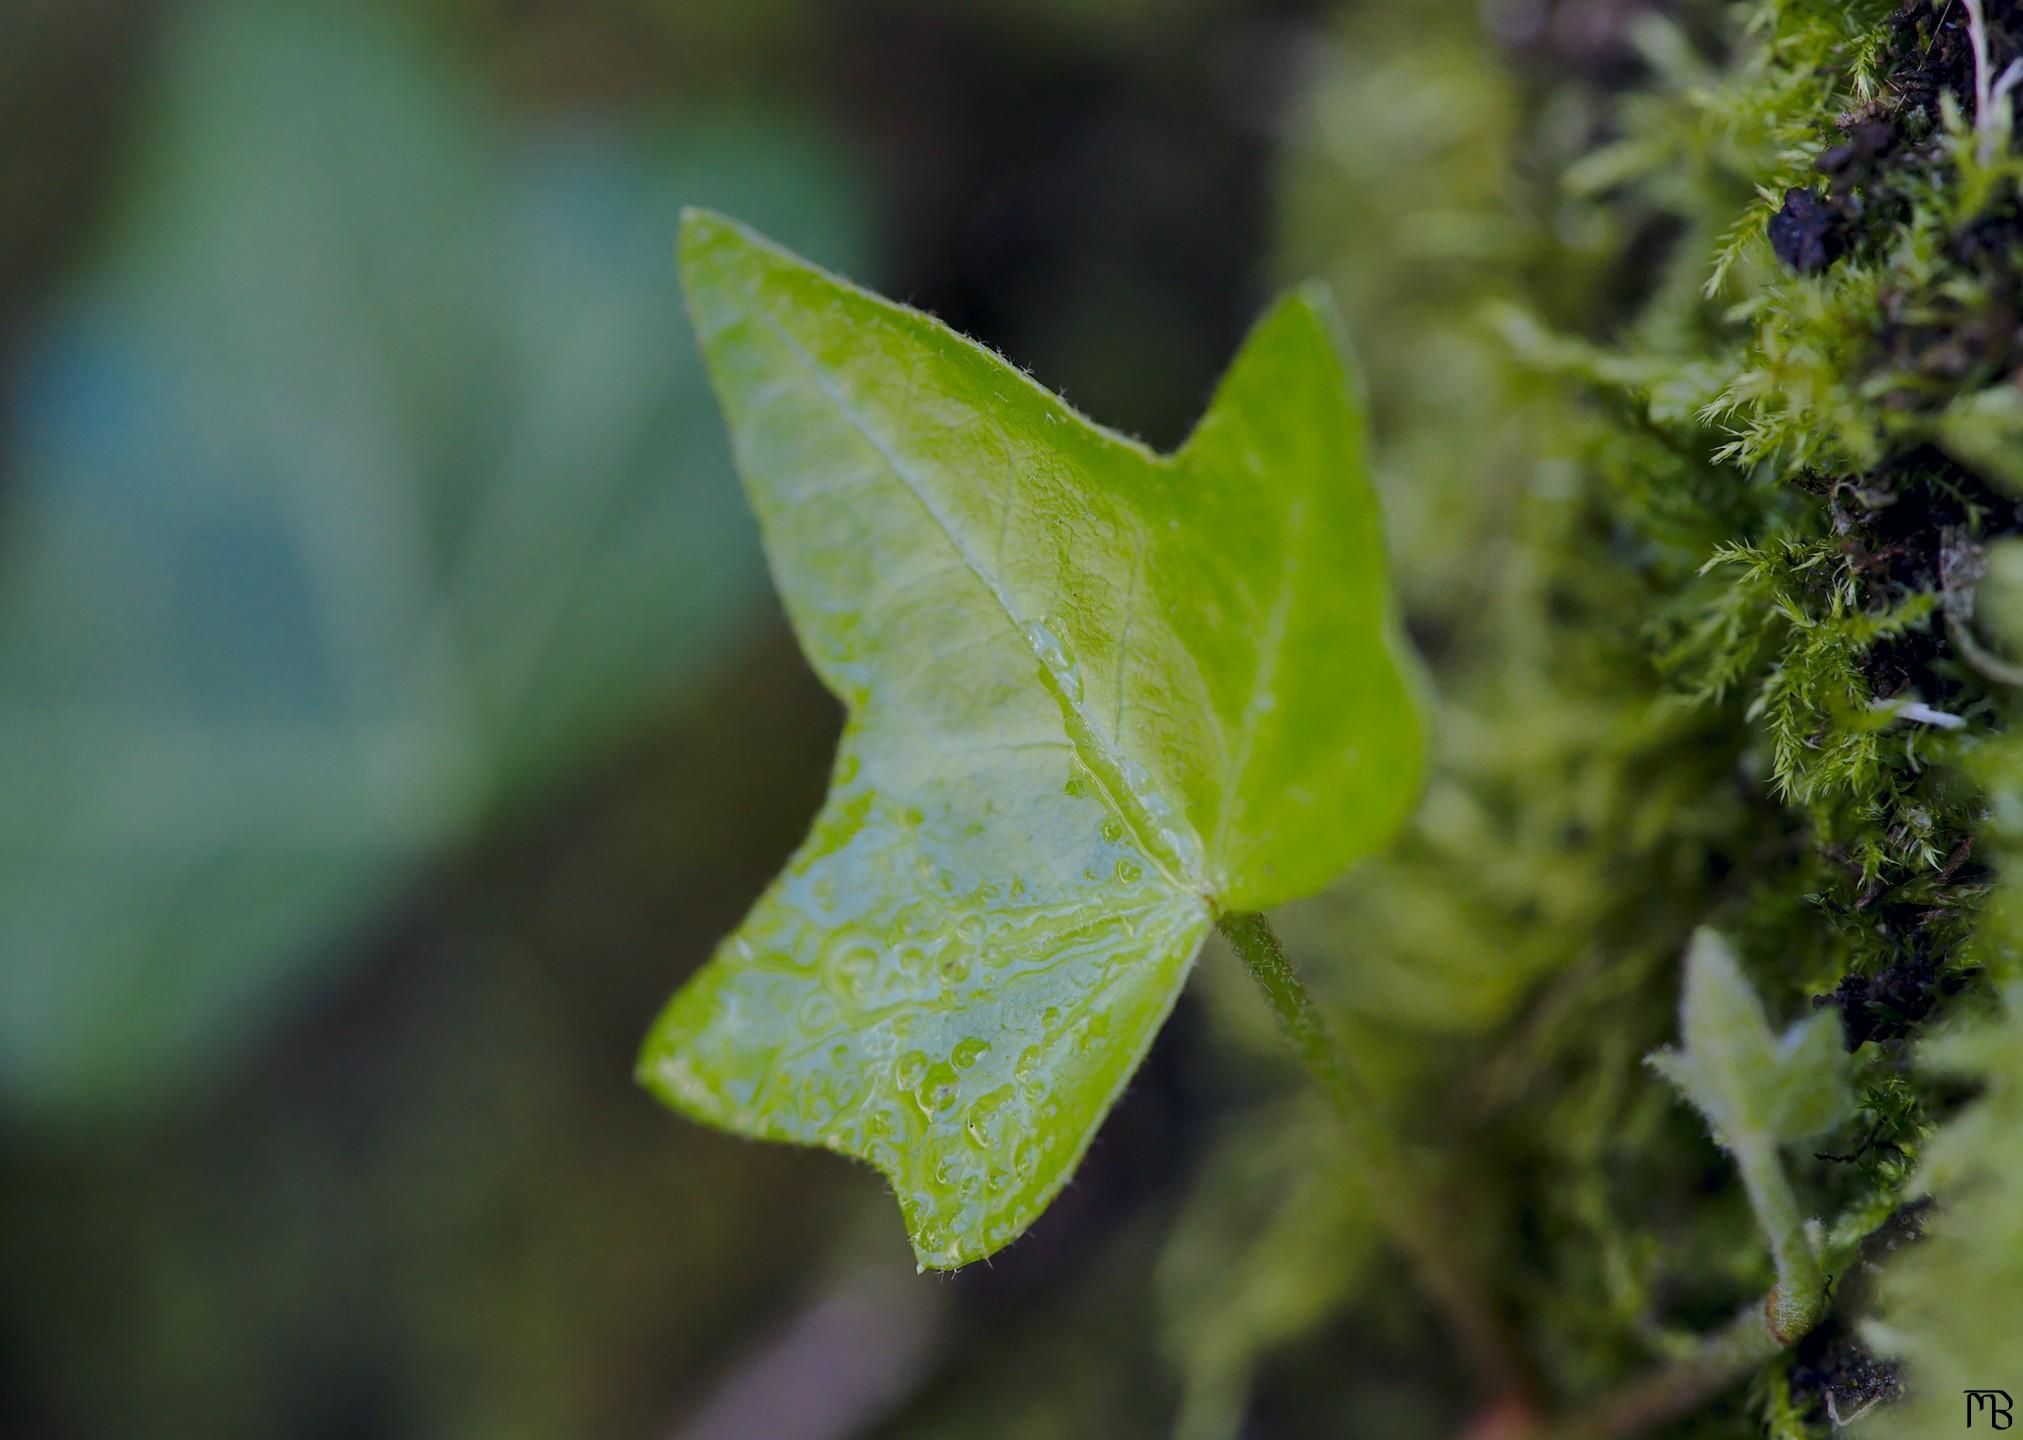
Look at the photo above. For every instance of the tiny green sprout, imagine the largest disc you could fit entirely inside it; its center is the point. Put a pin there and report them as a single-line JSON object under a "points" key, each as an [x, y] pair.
{"points": [[1753, 1085], [1759, 1090], [1098, 699]]}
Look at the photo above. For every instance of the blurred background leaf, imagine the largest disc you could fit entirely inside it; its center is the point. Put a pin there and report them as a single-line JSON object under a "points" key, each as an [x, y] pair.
{"points": [[393, 709], [367, 486]]}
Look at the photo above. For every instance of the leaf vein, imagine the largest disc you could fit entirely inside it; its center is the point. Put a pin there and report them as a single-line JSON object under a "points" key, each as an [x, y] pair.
{"points": [[1106, 763]]}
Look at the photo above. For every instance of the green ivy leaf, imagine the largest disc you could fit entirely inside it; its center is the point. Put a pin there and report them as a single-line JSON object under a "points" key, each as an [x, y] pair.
{"points": [[1750, 1083], [1096, 697]]}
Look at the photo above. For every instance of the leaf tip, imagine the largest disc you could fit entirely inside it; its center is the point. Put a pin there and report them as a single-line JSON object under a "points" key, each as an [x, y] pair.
{"points": [[1670, 1065], [1317, 297], [1715, 985], [699, 223], [704, 232], [1311, 304]]}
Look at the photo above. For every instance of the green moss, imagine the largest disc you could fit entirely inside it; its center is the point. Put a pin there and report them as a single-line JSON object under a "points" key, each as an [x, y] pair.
{"points": [[1722, 662]]}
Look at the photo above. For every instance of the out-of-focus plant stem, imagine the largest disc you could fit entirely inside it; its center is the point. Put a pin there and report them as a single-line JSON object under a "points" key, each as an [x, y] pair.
{"points": [[1399, 1187], [1782, 1318], [1723, 1360]]}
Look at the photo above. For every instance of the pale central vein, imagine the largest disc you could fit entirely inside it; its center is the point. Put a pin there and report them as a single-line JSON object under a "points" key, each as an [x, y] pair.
{"points": [[1105, 764]]}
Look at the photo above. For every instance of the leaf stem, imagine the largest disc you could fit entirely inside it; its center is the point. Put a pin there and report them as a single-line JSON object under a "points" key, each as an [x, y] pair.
{"points": [[1402, 1195], [1424, 1232], [1795, 1305], [1683, 1386], [1299, 1018], [1779, 1320]]}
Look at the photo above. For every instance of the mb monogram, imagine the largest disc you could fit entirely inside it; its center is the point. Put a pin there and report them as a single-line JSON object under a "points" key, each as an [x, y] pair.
{"points": [[1990, 1406]]}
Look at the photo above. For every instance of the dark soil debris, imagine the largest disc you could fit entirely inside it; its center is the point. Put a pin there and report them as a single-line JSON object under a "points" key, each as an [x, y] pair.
{"points": [[1935, 55], [1808, 233], [1855, 160], [1836, 1379], [1887, 1006]]}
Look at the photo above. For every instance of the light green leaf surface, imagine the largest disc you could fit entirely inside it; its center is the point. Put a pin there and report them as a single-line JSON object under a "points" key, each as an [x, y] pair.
{"points": [[1749, 1082], [1096, 697]]}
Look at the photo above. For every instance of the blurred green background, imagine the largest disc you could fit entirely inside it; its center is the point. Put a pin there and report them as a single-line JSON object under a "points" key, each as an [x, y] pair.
{"points": [[393, 708]]}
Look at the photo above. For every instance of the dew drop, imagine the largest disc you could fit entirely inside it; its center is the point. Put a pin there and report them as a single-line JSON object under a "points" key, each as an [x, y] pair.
{"points": [[968, 1052], [1056, 669], [816, 1013], [984, 1113], [939, 1089], [850, 968], [1025, 1159]]}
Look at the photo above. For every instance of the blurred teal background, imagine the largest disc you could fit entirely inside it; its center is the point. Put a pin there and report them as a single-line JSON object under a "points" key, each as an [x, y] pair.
{"points": [[393, 707]]}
